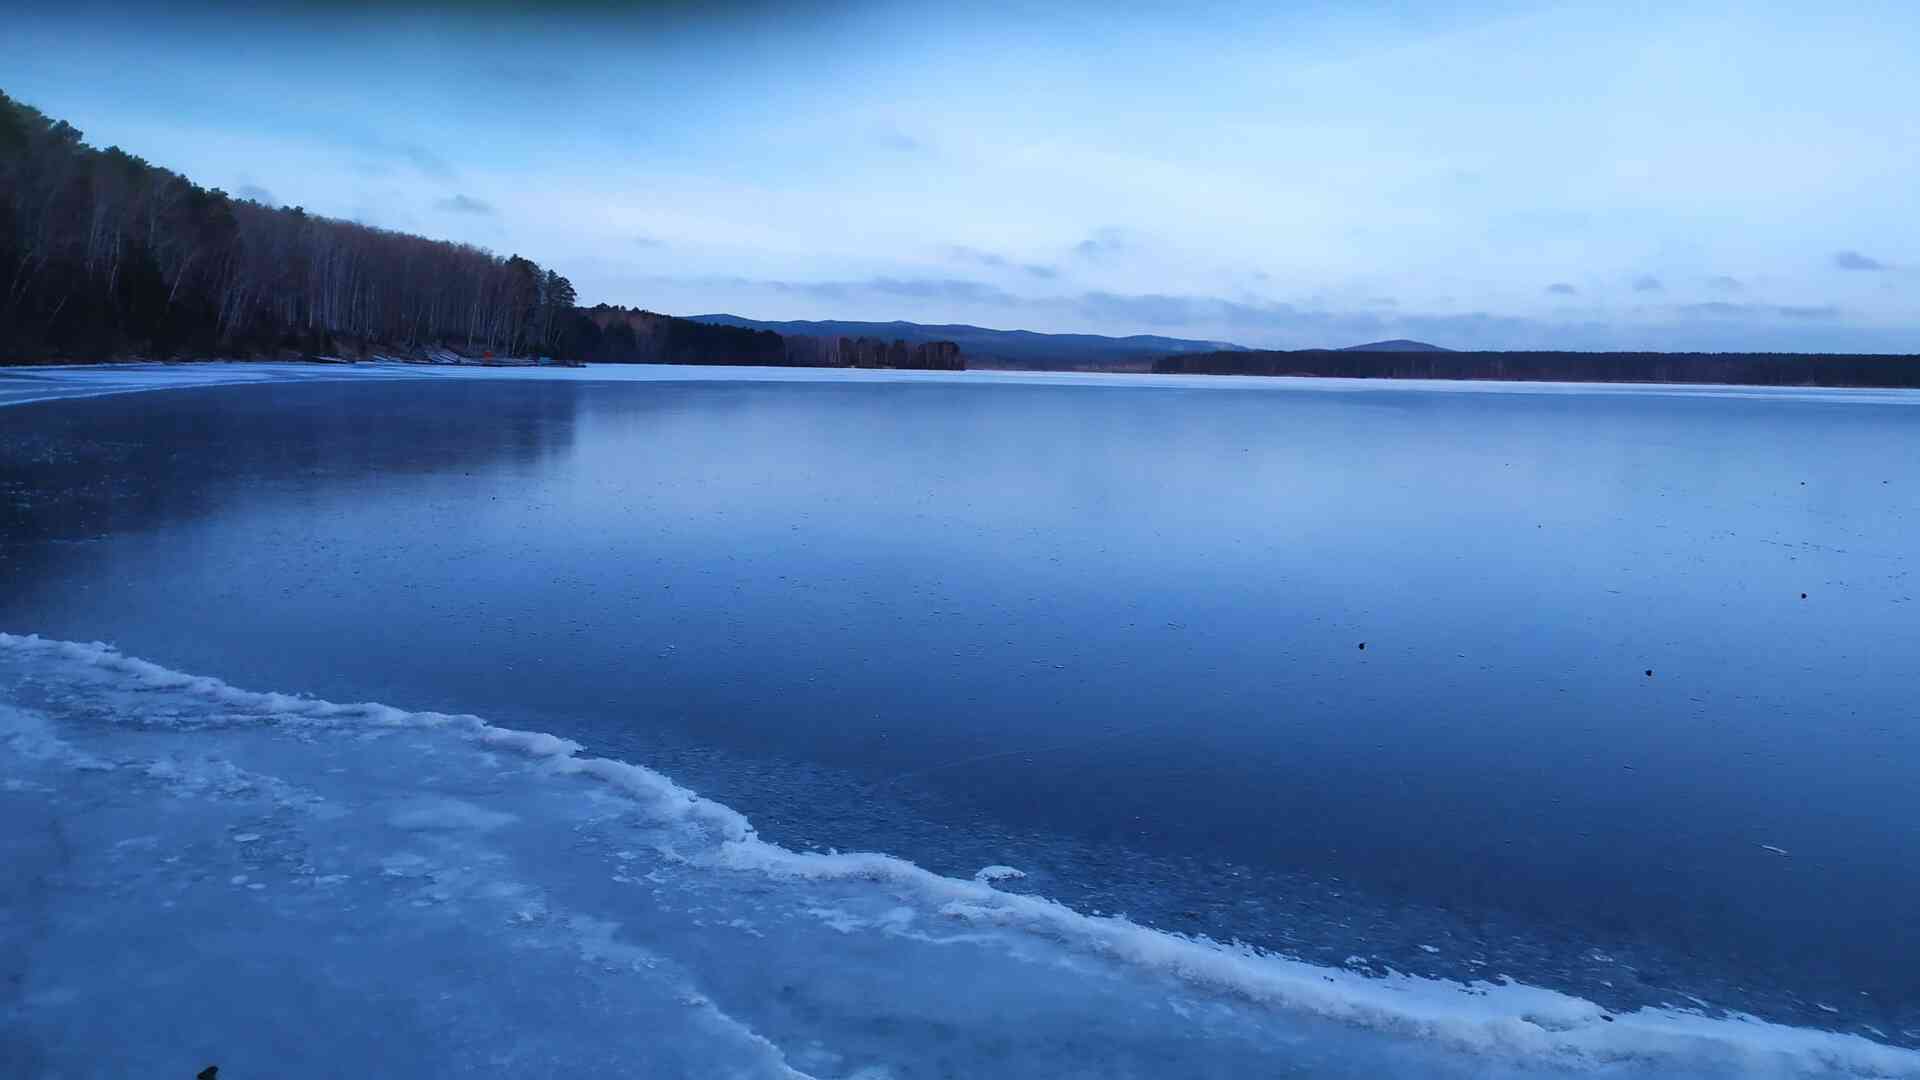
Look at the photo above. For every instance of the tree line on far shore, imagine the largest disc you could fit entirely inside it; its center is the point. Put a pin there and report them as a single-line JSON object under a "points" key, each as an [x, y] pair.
{"points": [[617, 335], [1741, 369]]}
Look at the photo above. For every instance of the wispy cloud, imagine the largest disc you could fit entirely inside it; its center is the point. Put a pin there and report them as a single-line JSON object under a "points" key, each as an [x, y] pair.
{"points": [[465, 204], [963, 254], [1853, 260], [1723, 309], [1144, 309], [952, 290], [972, 292], [1105, 243], [425, 160], [378, 156]]}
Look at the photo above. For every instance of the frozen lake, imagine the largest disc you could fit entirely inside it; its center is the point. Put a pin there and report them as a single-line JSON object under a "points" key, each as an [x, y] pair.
{"points": [[1104, 630]]}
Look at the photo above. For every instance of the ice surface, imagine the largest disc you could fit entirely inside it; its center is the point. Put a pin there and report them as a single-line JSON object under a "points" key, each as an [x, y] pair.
{"points": [[27, 385], [288, 887]]}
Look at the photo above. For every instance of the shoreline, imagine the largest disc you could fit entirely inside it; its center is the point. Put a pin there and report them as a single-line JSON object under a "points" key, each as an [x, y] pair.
{"points": [[1100, 373]]}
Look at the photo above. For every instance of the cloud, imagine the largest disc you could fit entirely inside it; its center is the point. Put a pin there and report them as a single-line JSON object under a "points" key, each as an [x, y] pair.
{"points": [[1105, 243], [1853, 260], [1283, 325], [962, 253], [1717, 308], [1145, 309], [1726, 284], [1648, 283], [1723, 310], [955, 290], [465, 204], [1561, 288], [426, 161], [256, 193], [971, 292], [381, 157]]}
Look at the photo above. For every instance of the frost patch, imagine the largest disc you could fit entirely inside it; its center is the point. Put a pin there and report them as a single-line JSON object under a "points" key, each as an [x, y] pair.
{"points": [[448, 814]]}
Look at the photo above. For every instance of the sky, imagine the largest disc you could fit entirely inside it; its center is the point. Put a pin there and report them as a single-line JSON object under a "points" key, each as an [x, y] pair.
{"points": [[1717, 176]]}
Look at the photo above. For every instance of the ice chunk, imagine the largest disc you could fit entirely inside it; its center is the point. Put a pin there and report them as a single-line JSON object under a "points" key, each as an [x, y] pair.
{"points": [[990, 874]]}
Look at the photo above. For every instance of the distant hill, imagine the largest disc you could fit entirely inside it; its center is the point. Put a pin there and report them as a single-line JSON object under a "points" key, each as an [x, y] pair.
{"points": [[1396, 345], [987, 348]]}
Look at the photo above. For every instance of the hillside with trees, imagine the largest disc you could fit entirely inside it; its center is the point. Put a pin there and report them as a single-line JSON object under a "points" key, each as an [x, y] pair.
{"points": [[103, 255], [826, 350], [1742, 369]]}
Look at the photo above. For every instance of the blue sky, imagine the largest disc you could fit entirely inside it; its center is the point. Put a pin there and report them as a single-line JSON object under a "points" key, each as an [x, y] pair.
{"points": [[1681, 175]]}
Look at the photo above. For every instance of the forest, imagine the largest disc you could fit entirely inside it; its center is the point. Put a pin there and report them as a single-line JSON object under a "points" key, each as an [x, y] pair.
{"points": [[105, 256], [1743, 369]]}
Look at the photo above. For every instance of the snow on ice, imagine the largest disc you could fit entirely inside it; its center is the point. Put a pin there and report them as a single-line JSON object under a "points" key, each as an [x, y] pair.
{"points": [[198, 874]]}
